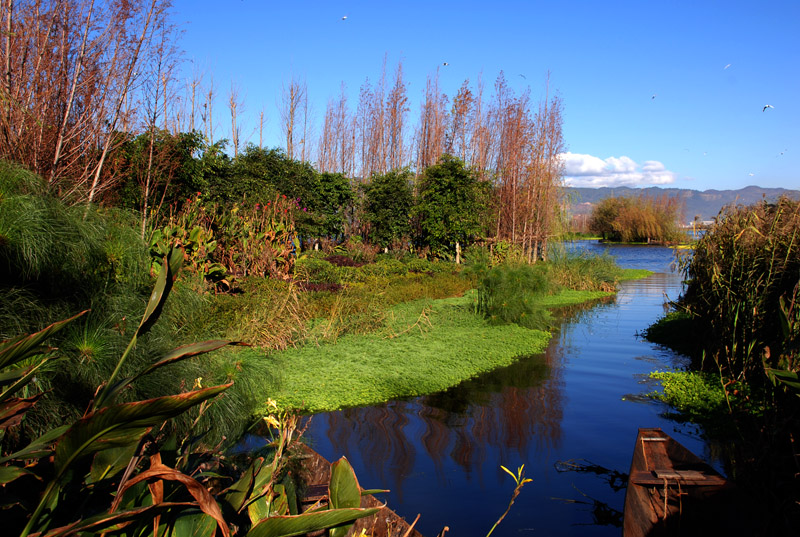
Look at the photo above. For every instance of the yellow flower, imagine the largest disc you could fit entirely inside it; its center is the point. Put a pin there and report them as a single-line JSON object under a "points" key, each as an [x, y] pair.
{"points": [[272, 421], [198, 383]]}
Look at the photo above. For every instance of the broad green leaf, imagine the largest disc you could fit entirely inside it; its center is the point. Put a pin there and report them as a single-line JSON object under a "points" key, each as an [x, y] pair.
{"points": [[291, 494], [279, 505], [110, 462], [123, 424], [151, 314], [789, 378], [367, 492], [27, 374], [343, 491], [258, 510], [175, 355], [286, 526], [39, 447], [21, 347], [158, 296], [7, 377], [194, 525], [114, 521], [10, 473], [237, 495]]}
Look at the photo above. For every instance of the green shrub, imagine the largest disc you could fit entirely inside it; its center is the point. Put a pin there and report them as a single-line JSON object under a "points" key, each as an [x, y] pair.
{"points": [[433, 267], [386, 267], [316, 270]]}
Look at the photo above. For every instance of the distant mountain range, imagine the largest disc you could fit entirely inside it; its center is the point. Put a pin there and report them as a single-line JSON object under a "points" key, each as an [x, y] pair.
{"points": [[706, 204]]}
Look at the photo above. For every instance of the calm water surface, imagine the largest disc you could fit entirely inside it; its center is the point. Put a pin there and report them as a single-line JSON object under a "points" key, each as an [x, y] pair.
{"points": [[440, 455]]}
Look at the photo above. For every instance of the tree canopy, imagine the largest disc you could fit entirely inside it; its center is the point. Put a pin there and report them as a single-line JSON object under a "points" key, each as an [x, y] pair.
{"points": [[452, 204], [388, 202], [638, 219]]}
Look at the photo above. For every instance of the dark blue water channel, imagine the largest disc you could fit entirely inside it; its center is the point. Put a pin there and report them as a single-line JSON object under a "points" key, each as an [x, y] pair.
{"points": [[577, 404]]}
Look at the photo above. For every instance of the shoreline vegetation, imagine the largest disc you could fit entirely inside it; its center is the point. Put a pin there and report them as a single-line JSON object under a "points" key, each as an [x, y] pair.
{"points": [[739, 322], [252, 310], [426, 346]]}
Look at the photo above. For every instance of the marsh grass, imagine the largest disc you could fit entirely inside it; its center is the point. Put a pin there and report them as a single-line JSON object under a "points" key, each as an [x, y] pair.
{"points": [[741, 269], [397, 360], [520, 293], [584, 272], [509, 293]]}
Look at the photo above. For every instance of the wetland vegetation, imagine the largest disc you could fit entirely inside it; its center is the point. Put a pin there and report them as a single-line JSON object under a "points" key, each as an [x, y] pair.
{"points": [[738, 321], [163, 290]]}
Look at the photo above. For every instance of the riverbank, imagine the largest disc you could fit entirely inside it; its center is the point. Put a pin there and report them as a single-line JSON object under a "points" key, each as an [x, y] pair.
{"points": [[424, 346]]}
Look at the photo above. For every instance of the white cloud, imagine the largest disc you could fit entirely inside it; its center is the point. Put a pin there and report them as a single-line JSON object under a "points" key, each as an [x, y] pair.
{"points": [[589, 171]]}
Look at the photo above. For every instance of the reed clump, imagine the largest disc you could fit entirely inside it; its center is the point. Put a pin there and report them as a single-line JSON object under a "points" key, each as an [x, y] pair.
{"points": [[743, 289]]}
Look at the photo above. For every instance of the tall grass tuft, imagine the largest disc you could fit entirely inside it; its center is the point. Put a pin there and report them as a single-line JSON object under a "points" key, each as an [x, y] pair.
{"points": [[508, 293], [583, 272]]}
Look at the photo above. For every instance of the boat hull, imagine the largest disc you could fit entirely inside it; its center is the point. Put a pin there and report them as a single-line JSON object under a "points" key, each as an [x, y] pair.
{"points": [[671, 491]]}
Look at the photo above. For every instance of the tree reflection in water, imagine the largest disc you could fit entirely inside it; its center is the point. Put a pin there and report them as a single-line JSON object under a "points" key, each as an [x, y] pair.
{"points": [[503, 411]]}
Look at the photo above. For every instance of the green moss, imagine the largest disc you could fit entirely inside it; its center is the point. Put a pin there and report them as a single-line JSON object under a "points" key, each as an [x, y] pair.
{"points": [[425, 346], [634, 274], [701, 398], [693, 394], [571, 297]]}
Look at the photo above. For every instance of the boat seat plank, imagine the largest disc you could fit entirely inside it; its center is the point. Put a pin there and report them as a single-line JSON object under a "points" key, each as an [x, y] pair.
{"points": [[688, 478]]}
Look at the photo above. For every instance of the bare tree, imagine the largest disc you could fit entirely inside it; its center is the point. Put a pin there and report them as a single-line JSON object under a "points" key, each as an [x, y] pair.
{"points": [[261, 128], [336, 148], [430, 138], [292, 97], [460, 115], [396, 111], [161, 63], [128, 67], [235, 105]]}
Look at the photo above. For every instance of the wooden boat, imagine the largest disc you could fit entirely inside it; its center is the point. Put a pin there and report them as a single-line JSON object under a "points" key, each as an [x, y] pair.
{"points": [[671, 491]]}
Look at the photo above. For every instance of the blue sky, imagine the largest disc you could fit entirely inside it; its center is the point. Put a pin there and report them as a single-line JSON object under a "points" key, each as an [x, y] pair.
{"points": [[655, 93]]}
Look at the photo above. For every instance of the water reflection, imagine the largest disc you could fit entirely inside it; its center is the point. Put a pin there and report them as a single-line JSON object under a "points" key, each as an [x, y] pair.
{"points": [[511, 411], [440, 455]]}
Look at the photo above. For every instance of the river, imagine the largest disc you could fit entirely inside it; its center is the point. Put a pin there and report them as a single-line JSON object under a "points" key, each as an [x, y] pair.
{"points": [[565, 415]]}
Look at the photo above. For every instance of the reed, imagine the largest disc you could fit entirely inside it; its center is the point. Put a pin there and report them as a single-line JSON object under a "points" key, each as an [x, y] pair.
{"points": [[742, 269]]}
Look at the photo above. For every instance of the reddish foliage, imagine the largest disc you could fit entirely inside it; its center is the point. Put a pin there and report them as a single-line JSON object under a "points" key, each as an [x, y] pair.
{"points": [[343, 261], [308, 286]]}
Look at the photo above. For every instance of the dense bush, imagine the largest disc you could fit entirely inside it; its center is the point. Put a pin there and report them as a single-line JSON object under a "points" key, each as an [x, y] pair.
{"points": [[315, 270], [57, 260], [388, 201], [452, 206]]}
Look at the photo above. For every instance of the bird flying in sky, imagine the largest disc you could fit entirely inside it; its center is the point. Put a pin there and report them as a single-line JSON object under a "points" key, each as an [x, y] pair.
{"points": [[767, 106], [726, 67], [344, 18], [445, 64]]}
